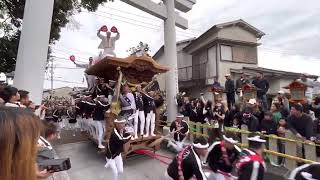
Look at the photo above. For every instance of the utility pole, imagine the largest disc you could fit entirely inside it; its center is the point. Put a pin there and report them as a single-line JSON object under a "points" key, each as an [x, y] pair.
{"points": [[51, 72]]}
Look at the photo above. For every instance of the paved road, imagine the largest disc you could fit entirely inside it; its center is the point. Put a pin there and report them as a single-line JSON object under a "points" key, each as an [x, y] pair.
{"points": [[87, 164]]}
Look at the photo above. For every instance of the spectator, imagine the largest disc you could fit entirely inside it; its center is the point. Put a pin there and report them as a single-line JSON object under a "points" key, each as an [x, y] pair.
{"points": [[2, 86], [307, 109], [300, 123], [316, 107], [208, 112], [231, 115], [250, 120], [216, 83], [268, 124], [24, 98], [20, 130], [276, 115], [262, 86], [11, 96], [282, 100], [230, 91], [241, 81]]}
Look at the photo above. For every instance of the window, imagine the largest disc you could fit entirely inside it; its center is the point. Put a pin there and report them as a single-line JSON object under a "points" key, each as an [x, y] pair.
{"points": [[226, 53]]}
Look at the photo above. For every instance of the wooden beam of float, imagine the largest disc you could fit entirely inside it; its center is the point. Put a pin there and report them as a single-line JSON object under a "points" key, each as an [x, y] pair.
{"points": [[136, 69]]}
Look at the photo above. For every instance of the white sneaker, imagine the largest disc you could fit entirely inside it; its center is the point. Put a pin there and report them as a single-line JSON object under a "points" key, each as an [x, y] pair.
{"points": [[152, 134], [136, 136], [132, 138], [101, 146], [146, 135]]}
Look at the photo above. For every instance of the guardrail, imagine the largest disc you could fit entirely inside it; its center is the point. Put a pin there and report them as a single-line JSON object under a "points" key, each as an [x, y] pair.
{"points": [[292, 148]]}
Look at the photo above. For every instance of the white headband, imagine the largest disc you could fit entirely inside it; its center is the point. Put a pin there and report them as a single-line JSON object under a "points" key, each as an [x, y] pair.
{"points": [[120, 121], [200, 146]]}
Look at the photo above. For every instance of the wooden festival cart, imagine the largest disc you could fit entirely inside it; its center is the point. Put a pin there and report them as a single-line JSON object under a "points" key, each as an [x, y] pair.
{"points": [[249, 92], [297, 92], [134, 70]]}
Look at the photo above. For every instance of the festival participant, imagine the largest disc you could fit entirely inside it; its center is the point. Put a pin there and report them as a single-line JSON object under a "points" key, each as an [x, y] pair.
{"points": [[72, 119], [100, 108], [251, 165], [115, 147], [139, 113], [57, 119], [306, 172], [90, 79], [187, 163], [180, 129], [128, 104], [221, 157], [149, 108], [108, 43]]}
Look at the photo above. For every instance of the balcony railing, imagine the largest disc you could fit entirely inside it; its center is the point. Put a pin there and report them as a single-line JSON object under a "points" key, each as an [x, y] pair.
{"points": [[195, 72]]}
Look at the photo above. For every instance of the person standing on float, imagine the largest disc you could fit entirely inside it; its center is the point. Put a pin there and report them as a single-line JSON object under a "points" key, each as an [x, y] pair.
{"points": [[90, 78], [108, 43]]}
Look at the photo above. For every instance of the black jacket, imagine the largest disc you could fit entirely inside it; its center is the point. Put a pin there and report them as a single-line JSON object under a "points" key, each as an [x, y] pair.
{"points": [[99, 110], [270, 126], [116, 142], [302, 125], [191, 165], [139, 101], [248, 169], [252, 123], [88, 108], [240, 82], [216, 160], [262, 86], [229, 86], [180, 135]]}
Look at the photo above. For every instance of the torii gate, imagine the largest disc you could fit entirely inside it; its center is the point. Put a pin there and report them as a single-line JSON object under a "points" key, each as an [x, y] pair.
{"points": [[33, 47]]}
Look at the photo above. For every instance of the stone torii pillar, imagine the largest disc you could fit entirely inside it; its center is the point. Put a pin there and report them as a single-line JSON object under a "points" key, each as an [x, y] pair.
{"points": [[33, 47], [171, 19]]}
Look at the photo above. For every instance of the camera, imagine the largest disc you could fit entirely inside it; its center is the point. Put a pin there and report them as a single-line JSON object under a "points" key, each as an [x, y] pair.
{"points": [[55, 165]]}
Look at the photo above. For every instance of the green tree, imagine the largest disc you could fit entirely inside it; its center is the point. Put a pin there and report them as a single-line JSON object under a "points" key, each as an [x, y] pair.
{"points": [[11, 18]]}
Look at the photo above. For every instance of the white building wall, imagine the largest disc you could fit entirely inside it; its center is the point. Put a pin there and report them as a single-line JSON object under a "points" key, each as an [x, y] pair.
{"points": [[237, 33], [225, 66]]}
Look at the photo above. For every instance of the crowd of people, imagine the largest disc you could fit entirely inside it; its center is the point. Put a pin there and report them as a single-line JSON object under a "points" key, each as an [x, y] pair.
{"points": [[24, 136], [137, 119]]}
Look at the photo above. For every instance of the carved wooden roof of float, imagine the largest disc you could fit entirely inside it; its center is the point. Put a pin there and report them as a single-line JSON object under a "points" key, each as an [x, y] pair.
{"points": [[136, 69], [296, 85]]}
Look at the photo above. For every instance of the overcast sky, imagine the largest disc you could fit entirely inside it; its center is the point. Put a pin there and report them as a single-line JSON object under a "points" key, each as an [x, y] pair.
{"points": [[291, 42]]}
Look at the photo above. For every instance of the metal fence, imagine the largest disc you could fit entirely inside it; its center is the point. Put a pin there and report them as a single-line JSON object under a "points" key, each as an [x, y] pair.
{"points": [[289, 148]]}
